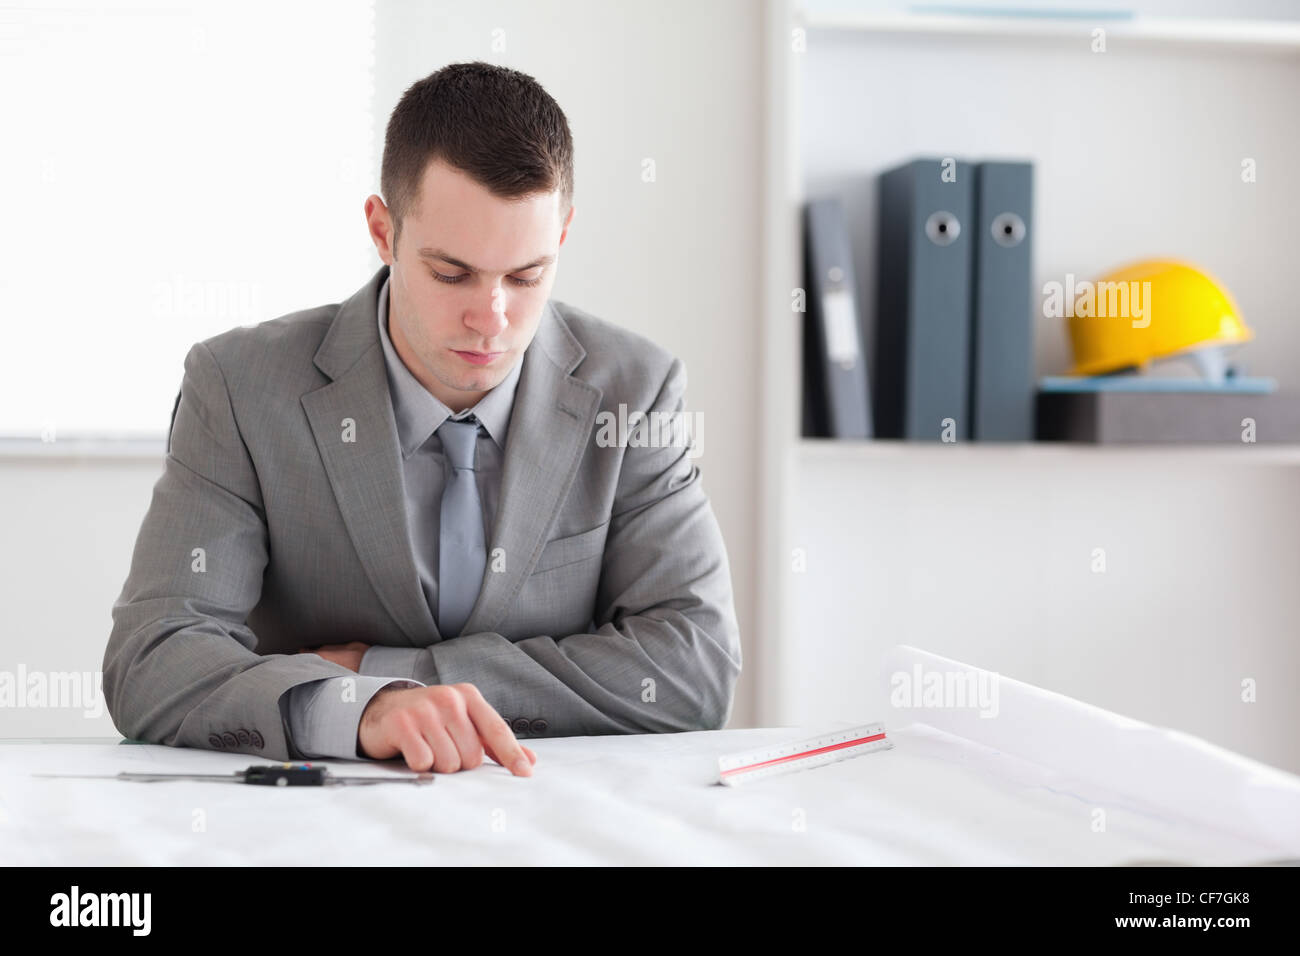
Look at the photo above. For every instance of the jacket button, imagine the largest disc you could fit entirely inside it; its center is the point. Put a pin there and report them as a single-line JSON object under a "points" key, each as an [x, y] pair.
{"points": [[242, 736], [215, 742], [539, 726], [229, 740], [520, 725], [256, 740]]}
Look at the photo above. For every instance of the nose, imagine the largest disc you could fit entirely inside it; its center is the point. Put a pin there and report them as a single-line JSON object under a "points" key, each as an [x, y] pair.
{"points": [[489, 319]]}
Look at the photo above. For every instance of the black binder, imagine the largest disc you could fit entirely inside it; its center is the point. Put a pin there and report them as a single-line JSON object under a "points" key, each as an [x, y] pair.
{"points": [[922, 371], [1002, 343], [836, 398]]}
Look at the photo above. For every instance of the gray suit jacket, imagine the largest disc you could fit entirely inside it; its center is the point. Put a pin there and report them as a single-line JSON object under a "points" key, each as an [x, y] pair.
{"points": [[279, 522]]}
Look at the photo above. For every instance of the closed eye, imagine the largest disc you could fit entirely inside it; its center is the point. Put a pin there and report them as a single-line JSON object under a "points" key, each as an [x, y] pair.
{"points": [[452, 280]]}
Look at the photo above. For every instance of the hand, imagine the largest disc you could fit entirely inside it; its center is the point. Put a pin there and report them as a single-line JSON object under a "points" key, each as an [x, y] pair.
{"points": [[444, 728], [349, 654]]}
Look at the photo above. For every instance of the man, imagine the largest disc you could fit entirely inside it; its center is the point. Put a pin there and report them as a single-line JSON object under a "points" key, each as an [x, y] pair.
{"points": [[391, 526]]}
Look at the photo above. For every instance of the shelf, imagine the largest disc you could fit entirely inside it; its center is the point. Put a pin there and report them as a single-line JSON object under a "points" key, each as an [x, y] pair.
{"points": [[1255, 35], [850, 450]]}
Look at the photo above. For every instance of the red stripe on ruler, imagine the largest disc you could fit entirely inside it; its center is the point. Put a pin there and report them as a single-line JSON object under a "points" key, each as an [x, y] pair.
{"points": [[802, 754]]}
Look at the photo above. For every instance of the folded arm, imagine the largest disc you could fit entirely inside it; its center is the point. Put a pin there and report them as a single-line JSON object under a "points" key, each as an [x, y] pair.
{"points": [[665, 652]]}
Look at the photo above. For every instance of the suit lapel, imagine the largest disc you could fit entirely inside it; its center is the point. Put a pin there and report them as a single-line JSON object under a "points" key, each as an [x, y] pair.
{"points": [[550, 424], [365, 472]]}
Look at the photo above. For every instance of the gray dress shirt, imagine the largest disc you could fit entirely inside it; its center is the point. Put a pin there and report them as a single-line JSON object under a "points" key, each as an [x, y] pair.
{"points": [[324, 715]]}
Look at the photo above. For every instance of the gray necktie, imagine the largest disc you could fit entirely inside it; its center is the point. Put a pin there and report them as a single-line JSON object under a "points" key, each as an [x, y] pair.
{"points": [[461, 552]]}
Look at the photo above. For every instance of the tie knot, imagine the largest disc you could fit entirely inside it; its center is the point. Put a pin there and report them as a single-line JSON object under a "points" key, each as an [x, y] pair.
{"points": [[458, 440]]}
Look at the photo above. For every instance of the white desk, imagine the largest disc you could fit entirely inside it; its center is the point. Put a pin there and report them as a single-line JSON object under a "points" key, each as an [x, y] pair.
{"points": [[935, 798]]}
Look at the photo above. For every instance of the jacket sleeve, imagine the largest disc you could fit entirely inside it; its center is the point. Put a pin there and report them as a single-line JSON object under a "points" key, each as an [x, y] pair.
{"points": [[180, 667], [665, 654]]}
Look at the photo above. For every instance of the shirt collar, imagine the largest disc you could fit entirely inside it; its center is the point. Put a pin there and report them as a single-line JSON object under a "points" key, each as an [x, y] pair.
{"points": [[419, 414]]}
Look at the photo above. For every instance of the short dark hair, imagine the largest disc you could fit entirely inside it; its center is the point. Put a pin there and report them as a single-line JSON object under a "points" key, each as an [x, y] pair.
{"points": [[495, 124]]}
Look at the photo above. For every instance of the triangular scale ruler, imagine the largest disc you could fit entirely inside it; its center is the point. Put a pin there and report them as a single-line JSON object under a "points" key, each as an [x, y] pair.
{"points": [[735, 769]]}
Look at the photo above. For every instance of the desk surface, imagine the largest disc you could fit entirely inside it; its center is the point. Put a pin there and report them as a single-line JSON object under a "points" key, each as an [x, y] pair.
{"points": [[936, 798]]}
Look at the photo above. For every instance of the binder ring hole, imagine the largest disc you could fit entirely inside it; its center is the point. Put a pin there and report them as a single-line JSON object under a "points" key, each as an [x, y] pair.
{"points": [[1008, 229], [943, 228]]}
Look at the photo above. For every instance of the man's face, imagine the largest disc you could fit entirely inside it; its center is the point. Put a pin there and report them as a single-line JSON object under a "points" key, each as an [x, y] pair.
{"points": [[469, 280]]}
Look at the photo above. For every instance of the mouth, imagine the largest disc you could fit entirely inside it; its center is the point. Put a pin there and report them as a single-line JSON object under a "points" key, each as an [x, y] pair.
{"points": [[479, 358]]}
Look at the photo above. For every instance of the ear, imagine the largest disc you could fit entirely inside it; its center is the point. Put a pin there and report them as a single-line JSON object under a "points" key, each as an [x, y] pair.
{"points": [[379, 223]]}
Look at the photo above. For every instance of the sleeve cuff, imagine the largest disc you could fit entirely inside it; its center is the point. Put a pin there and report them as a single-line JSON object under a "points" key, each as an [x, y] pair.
{"points": [[324, 715]]}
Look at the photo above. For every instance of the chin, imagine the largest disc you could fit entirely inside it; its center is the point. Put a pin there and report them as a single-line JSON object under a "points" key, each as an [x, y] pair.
{"points": [[479, 383]]}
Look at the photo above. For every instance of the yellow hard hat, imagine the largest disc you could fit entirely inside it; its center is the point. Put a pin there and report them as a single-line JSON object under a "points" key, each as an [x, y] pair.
{"points": [[1122, 321]]}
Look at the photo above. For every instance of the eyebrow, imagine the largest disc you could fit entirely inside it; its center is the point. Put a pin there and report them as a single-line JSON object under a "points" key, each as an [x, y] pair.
{"points": [[439, 254]]}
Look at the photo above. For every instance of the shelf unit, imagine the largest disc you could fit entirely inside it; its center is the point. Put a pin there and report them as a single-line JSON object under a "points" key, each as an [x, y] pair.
{"points": [[784, 452]]}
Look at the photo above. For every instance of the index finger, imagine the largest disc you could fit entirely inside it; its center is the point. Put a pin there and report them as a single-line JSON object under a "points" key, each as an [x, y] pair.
{"points": [[498, 739]]}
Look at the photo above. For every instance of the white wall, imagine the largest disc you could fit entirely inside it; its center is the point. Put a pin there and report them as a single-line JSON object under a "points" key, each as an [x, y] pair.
{"points": [[986, 555], [69, 527]]}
